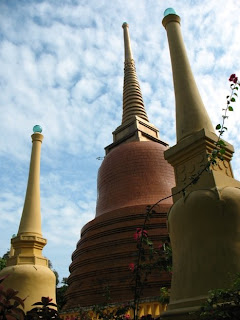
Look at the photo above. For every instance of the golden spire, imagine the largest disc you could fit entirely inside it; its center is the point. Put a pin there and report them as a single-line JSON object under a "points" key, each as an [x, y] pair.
{"points": [[28, 244], [133, 104], [191, 115], [31, 215], [28, 270]]}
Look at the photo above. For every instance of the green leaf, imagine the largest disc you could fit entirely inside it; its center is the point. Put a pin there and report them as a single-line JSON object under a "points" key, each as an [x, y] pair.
{"points": [[218, 126], [236, 88], [230, 108], [233, 100], [235, 94], [221, 142], [222, 151]]}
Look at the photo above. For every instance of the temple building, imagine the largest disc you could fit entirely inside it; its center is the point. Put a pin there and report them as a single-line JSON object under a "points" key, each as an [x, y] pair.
{"points": [[133, 175], [27, 268]]}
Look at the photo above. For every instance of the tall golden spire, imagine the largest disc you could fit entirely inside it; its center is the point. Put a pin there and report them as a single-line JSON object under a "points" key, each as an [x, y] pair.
{"points": [[207, 216], [135, 125], [28, 243], [27, 268], [31, 215], [191, 115], [133, 104]]}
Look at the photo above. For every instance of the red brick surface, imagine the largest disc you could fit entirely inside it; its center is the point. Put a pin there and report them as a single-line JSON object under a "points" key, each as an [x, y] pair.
{"points": [[134, 173]]}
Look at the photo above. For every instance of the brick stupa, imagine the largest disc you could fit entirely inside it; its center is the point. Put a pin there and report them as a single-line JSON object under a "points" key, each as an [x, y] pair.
{"points": [[133, 174]]}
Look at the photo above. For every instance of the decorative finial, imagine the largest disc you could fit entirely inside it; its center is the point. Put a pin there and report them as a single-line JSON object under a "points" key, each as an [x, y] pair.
{"points": [[125, 24], [37, 128], [169, 11]]}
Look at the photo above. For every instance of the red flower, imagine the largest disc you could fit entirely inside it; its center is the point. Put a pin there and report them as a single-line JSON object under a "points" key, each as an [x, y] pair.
{"points": [[131, 266], [140, 233], [233, 78]]}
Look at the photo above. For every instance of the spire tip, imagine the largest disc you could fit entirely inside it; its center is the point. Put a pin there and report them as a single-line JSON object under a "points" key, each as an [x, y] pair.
{"points": [[169, 11], [125, 25], [37, 129]]}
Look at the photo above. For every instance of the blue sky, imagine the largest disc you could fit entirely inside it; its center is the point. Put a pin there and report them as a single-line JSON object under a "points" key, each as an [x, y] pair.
{"points": [[61, 66]]}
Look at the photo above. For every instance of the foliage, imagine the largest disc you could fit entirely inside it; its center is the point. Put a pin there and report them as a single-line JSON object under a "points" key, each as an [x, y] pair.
{"points": [[148, 259], [220, 144], [3, 260], [9, 303], [3, 263], [60, 294], [107, 312], [222, 303], [11, 306], [164, 295], [44, 312]]}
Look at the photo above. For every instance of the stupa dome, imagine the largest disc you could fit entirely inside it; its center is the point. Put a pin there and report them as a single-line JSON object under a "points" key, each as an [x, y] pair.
{"points": [[134, 174]]}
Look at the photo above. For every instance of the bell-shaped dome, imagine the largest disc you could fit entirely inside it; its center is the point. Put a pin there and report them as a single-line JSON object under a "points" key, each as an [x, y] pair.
{"points": [[134, 174]]}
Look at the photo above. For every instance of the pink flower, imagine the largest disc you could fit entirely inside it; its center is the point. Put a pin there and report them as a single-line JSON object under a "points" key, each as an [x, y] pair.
{"points": [[131, 266], [160, 246], [233, 78], [140, 233], [127, 316]]}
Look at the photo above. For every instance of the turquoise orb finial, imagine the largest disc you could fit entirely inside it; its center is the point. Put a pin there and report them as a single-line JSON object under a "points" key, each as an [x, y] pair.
{"points": [[169, 11], [125, 24], [37, 128]]}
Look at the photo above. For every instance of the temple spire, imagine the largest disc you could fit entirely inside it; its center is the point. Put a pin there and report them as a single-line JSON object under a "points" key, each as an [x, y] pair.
{"points": [[133, 104], [203, 216], [28, 244], [191, 115], [135, 125], [31, 215], [28, 269]]}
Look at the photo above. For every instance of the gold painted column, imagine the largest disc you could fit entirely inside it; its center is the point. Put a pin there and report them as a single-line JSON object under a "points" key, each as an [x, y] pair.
{"points": [[204, 222], [27, 268], [191, 115], [31, 216]]}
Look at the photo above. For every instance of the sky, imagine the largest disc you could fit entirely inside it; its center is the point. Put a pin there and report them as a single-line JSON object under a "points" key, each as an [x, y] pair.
{"points": [[61, 66]]}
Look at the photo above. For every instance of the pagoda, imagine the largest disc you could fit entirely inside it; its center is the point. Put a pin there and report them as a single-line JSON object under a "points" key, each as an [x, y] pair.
{"points": [[133, 175]]}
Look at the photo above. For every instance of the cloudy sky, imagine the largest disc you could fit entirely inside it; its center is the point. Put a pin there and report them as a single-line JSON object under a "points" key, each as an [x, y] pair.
{"points": [[61, 66]]}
